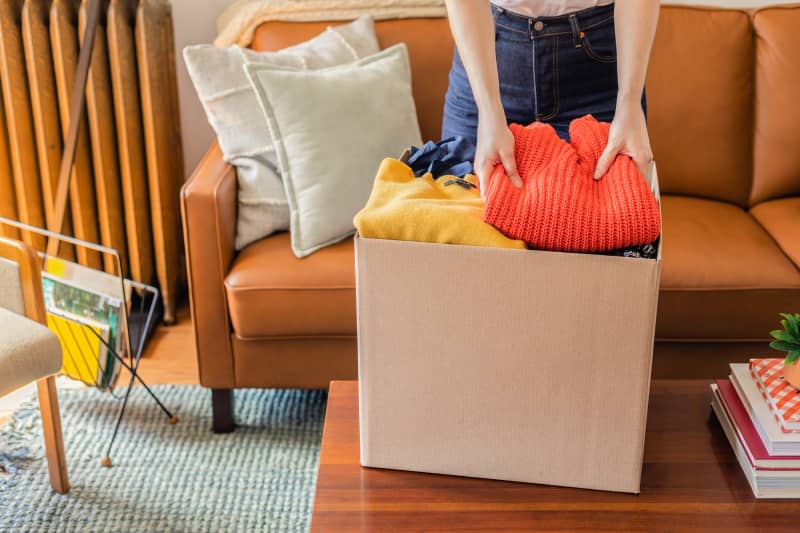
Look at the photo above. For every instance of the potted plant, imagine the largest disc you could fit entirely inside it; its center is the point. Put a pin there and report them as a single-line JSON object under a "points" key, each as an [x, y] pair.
{"points": [[788, 340]]}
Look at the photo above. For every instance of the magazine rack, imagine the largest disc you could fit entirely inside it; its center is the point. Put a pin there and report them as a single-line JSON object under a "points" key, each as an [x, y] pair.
{"points": [[134, 333], [145, 293]]}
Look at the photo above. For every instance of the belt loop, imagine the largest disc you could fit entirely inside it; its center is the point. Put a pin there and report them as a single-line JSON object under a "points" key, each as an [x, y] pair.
{"points": [[577, 34], [530, 28], [497, 12]]}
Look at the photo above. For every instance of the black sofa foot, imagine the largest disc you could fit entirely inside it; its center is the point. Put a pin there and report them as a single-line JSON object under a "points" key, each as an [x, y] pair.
{"points": [[222, 410]]}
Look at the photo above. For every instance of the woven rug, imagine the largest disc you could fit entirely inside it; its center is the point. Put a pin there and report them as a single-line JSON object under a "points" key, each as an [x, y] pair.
{"points": [[180, 478]]}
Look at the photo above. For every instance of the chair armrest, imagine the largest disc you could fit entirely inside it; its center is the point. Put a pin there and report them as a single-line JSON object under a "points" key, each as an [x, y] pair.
{"points": [[209, 208]]}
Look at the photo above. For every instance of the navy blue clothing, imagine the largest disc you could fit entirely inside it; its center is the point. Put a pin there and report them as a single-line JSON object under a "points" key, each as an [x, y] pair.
{"points": [[551, 69], [452, 156]]}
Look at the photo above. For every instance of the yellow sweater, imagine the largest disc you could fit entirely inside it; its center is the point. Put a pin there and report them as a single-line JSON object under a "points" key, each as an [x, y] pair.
{"points": [[403, 207]]}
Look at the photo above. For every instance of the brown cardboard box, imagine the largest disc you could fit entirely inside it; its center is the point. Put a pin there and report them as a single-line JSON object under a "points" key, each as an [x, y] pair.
{"points": [[518, 365]]}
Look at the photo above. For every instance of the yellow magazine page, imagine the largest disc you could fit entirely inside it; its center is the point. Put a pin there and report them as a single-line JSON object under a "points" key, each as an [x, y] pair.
{"points": [[81, 348]]}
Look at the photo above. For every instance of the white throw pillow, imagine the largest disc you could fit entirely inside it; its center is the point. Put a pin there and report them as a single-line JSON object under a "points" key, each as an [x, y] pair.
{"points": [[331, 129], [233, 111]]}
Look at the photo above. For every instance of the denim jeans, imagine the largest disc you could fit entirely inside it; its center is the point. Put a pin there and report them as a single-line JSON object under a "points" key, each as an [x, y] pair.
{"points": [[551, 69]]}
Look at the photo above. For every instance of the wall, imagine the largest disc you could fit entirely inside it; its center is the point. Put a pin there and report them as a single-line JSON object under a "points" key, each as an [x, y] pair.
{"points": [[195, 22]]}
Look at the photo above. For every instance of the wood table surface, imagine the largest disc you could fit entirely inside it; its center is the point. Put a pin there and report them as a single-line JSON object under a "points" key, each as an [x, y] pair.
{"points": [[690, 482]]}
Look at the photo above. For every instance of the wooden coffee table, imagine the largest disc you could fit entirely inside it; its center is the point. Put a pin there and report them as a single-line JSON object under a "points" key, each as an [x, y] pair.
{"points": [[690, 482]]}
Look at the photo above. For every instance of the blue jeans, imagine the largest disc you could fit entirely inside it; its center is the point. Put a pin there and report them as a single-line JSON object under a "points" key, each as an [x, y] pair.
{"points": [[551, 69]]}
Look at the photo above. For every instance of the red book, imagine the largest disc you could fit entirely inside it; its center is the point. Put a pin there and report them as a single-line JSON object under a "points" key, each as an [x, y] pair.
{"points": [[747, 435]]}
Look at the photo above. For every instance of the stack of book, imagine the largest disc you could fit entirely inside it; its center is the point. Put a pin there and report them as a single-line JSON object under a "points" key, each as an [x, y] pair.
{"points": [[760, 414]]}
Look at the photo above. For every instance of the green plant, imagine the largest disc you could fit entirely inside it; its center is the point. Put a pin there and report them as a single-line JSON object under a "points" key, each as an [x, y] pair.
{"points": [[788, 339]]}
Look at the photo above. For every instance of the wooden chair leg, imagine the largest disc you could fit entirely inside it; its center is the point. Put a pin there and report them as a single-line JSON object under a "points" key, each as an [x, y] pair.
{"points": [[222, 410], [53, 440]]}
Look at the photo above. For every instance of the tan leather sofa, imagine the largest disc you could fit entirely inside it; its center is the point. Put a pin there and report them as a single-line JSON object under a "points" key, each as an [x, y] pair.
{"points": [[724, 119]]}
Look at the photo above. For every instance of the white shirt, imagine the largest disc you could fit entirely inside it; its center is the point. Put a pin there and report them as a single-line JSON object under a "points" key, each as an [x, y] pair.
{"points": [[548, 8]]}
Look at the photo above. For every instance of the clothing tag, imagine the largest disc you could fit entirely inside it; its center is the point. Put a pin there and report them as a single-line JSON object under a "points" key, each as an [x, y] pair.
{"points": [[405, 155]]}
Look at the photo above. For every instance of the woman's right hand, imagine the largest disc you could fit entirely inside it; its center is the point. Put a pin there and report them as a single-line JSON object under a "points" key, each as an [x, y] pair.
{"points": [[472, 25], [495, 145]]}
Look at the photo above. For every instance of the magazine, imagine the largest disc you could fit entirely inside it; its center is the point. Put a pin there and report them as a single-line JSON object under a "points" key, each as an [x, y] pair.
{"points": [[89, 325]]}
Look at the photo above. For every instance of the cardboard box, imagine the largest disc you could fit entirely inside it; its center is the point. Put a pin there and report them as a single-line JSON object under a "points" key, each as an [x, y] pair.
{"points": [[525, 366]]}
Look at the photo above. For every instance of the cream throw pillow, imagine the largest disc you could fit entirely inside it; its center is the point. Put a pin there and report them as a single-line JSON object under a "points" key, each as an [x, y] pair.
{"points": [[331, 129], [233, 111]]}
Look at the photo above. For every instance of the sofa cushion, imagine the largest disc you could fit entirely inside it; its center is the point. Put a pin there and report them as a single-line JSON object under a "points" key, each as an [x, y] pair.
{"points": [[233, 110], [723, 275], [430, 48], [331, 129], [781, 218], [777, 159], [273, 293], [700, 100]]}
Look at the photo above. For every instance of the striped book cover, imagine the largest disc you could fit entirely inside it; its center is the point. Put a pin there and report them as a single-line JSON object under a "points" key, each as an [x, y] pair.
{"points": [[782, 398]]}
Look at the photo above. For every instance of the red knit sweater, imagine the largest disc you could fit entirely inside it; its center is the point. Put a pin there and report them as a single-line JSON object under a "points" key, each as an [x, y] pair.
{"points": [[560, 205]]}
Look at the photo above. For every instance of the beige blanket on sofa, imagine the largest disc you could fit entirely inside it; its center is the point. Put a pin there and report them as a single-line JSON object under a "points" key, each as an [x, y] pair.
{"points": [[237, 24]]}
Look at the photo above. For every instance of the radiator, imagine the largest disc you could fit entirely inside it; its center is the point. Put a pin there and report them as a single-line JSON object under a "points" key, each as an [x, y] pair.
{"points": [[128, 165]]}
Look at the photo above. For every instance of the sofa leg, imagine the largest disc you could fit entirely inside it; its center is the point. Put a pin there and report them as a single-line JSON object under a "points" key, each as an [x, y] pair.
{"points": [[222, 410]]}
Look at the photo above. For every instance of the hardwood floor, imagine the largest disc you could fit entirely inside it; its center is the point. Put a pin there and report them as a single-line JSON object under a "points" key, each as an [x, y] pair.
{"points": [[170, 357]]}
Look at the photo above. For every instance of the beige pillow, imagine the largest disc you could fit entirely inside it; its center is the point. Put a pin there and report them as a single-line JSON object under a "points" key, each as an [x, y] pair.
{"points": [[331, 129], [233, 111]]}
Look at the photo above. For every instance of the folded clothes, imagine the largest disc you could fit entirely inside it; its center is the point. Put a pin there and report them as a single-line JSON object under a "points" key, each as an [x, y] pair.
{"points": [[560, 205], [451, 157], [447, 210]]}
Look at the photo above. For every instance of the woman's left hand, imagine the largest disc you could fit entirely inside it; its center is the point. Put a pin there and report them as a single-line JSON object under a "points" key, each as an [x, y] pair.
{"points": [[628, 136]]}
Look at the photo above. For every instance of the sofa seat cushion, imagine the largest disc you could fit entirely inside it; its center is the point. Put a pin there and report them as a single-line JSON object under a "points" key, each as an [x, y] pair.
{"points": [[781, 218], [272, 293], [723, 275]]}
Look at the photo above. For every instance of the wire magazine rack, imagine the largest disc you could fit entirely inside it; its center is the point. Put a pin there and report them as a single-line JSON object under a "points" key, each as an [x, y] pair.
{"points": [[134, 333]]}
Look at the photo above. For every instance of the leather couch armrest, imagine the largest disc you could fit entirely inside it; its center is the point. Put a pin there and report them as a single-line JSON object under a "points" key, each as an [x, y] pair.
{"points": [[209, 210]]}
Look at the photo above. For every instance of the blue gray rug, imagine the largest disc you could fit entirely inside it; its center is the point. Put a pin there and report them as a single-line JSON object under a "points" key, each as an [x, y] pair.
{"points": [[179, 478]]}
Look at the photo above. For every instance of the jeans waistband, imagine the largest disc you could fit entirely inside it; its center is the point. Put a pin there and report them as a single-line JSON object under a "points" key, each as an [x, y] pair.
{"points": [[570, 23]]}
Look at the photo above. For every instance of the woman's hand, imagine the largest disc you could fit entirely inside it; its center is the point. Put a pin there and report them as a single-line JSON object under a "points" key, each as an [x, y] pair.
{"points": [[473, 28], [495, 145], [635, 22], [628, 136]]}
